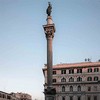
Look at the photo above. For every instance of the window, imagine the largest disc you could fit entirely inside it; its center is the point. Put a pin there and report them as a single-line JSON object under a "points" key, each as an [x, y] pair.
{"points": [[89, 79], [8, 97], [71, 71], [71, 97], [88, 98], [79, 70], [54, 72], [95, 97], [54, 80], [4, 96], [89, 70], [63, 71], [63, 98], [79, 88], [71, 88], [96, 69], [63, 80], [79, 98], [63, 88], [95, 78], [71, 79], [89, 88], [79, 79], [0, 95]]}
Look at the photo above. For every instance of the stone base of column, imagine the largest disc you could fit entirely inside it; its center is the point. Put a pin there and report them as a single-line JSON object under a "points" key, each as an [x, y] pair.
{"points": [[49, 97], [50, 93]]}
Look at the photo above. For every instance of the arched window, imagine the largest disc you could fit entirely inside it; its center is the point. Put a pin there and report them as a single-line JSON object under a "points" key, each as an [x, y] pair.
{"points": [[71, 88], [89, 79], [95, 97], [63, 98], [96, 78], [79, 88], [71, 97], [79, 79], [79, 98], [71, 79], [63, 88], [88, 98], [63, 80]]}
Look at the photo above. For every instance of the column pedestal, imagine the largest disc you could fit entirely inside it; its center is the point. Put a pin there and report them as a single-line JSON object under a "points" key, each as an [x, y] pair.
{"points": [[50, 93]]}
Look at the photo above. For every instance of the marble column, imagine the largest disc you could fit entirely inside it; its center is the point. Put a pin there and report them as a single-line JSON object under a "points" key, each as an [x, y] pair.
{"points": [[49, 30]]}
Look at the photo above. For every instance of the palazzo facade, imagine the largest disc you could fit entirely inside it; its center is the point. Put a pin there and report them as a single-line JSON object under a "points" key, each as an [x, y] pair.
{"points": [[76, 81]]}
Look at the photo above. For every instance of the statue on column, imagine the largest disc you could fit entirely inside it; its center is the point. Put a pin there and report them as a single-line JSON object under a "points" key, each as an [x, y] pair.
{"points": [[48, 11]]}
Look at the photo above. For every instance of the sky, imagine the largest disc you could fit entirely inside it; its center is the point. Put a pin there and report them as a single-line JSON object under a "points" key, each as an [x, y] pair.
{"points": [[23, 42]]}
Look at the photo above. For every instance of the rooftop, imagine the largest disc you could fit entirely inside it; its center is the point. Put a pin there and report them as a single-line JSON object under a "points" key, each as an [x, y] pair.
{"points": [[72, 65]]}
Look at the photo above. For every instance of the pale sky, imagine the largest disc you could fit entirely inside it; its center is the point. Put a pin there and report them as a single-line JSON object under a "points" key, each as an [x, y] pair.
{"points": [[23, 42]]}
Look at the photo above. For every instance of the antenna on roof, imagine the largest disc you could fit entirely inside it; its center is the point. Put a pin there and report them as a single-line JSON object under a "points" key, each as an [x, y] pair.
{"points": [[99, 60], [87, 60]]}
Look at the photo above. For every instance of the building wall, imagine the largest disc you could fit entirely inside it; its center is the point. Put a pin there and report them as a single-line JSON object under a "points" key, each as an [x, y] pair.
{"points": [[7, 96], [23, 96], [14, 96], [90, 87]]}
